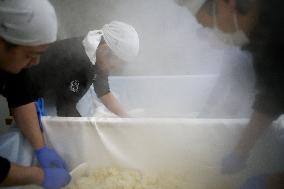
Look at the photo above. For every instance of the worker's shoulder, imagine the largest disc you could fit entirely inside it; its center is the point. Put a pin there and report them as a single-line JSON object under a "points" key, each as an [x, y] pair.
{"points": [[72, 40], [67, 45], [70, 49]]}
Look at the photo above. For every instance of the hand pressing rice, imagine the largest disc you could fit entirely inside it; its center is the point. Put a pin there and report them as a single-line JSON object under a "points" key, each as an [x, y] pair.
{"points": [[117, 178]]}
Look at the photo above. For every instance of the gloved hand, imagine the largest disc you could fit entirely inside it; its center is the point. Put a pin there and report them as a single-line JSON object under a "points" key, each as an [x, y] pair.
{"points": [[48, 158], [55, 178], [233, 163], [257, 182]]}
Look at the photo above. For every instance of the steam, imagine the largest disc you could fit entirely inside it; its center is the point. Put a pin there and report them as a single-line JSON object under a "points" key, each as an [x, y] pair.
{"points": [[172, 43], [167, 33]]}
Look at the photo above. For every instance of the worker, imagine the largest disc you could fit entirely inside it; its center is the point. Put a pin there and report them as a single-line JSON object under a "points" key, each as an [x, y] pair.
{"points": [[231, 20], [231, 23], [27, 27], [71, 66], [266, 46]]}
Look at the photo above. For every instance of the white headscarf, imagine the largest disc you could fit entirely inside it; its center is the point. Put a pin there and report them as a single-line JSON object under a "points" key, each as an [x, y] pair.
{"points": [[28, 22], [121, 38]]}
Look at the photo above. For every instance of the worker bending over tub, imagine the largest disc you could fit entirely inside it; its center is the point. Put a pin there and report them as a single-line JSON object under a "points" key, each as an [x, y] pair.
{"points": [[71, 66]]}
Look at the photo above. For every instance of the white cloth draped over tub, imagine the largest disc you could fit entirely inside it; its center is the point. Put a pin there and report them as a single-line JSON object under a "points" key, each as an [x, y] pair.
{"points": [[193, 148]]}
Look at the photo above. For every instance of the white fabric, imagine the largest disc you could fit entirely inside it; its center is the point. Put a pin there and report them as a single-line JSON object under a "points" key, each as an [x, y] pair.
{"points": [[122, 39], [91, 43], [89, 105], [15, 147], [28, 22], [193, 148], [192, 5]]}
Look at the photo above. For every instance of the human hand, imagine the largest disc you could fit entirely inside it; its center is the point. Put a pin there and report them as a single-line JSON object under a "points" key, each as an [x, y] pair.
{"points": [[233, 163], [55, 178], [49, 158]]}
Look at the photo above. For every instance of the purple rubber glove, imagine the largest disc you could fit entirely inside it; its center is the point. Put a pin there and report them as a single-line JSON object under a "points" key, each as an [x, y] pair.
{"points": [[48, 158], [233, 163], [257, 182], [55, 178]]}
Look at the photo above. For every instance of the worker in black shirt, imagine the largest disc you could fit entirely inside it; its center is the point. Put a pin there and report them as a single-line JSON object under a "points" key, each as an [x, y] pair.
{"points": [[26, 29], [267, 44], [230, 20], [71, 66]]}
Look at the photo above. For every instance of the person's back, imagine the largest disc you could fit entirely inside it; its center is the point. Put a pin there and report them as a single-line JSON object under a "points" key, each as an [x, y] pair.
{"points": [[64, 72]]}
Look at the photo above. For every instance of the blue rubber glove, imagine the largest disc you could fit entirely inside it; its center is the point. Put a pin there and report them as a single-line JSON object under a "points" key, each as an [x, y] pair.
{"points": [[257, 182], [48, 158], [55, 178], [233, 163]]}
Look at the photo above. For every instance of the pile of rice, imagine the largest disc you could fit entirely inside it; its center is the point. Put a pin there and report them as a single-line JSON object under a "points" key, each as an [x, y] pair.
{"points": [[118, 178]]}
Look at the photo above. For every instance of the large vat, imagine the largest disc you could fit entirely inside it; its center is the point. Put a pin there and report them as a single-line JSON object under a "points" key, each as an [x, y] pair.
{"points": [[193, 148]]}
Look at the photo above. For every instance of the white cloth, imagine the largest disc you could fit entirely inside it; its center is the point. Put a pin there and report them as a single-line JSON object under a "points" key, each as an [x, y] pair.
{"points": [[192, 5], [28, 22], [91, 43], [15, 147], [192, 148], [121, 38]]}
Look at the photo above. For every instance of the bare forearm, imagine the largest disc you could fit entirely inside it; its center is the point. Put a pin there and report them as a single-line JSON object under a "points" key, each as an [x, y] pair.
{"points": [[20, 175], [27, 120], [256, 127], [113, 105]]}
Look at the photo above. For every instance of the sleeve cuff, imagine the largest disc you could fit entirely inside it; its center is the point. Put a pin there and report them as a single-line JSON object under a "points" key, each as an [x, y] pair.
{"points": [[5, 168]]}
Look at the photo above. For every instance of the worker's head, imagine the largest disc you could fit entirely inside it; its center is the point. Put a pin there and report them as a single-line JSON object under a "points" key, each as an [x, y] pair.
{"points": [[115, 43], [107, 59], [26, 29]]}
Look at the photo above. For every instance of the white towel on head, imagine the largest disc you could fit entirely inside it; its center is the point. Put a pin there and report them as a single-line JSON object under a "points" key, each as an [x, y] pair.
{"points": [[121, 38], [28, 22], [91, 43]]}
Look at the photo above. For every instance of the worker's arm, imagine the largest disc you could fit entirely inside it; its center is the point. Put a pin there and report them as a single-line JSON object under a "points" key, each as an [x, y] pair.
{"points": [[27, 121], [258, 124], [113, 105], [236, 161], [20, 175], [53, 173], [46, 177]]}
